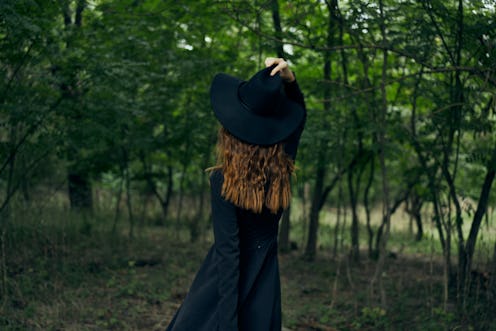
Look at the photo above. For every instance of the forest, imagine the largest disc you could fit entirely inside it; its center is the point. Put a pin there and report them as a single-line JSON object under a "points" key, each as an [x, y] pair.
{"points": [[106, 130]]}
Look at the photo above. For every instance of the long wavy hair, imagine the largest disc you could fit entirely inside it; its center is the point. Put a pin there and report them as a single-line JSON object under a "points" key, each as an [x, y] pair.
{"points": [[251, 169]]}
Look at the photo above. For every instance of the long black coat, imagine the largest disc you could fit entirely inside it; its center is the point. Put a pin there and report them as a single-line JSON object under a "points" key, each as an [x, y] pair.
{"points": [[237, 287]]}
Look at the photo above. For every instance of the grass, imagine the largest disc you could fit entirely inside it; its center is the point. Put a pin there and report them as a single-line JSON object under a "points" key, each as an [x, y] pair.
{"points": [[403, 232], [69, 272]]}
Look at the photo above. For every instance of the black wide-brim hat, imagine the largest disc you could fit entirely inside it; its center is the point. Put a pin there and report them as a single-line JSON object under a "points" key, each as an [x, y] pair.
{"points": [[256, 111]]}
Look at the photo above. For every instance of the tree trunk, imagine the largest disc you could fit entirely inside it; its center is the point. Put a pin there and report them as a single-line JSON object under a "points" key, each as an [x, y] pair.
{"points": [[277, 29], [185, 161], [166, 201], [370, 232], [127, 181], [80, 195], [355, 246], [118, 204], [318, 197], [492, 279], [338, 220], [3, 267], [195, 225], [9, 190], [429, 171], [24, 182], [381, 138], [414, 208], [392, 209], [78, 17], [5, 215], [284, 244], [129, 204], [482, 207], [313, 227], [303, 194], [179, 211], [78, 176], [152, 186]]}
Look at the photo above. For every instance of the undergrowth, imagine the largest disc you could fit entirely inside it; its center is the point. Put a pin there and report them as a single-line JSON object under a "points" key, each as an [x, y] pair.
{"points": [[71, 272]]}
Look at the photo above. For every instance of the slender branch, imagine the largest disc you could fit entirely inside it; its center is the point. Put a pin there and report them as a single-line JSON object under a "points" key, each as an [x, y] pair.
{"points": [[482, 72], [428, 9]]}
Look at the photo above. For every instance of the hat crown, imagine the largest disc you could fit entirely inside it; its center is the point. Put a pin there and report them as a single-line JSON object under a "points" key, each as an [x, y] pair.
{"points": [[256, 111], [262, 93]]}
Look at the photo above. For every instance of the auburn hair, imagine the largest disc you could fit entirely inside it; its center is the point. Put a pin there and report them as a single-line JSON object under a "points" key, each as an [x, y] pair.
{"points": [[251, 169]]}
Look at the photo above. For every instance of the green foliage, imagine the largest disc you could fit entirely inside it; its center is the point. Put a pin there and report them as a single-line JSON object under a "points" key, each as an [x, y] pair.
{"points": [[371, 318], [443, 315], [130, 84], [122, 97]]}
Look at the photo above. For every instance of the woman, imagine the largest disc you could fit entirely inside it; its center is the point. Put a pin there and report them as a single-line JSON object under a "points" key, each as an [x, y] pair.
{"points": [[237, 287]]}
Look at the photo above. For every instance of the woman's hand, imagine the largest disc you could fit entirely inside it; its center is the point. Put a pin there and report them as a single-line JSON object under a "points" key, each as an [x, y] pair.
{"points": [[281, 67]]}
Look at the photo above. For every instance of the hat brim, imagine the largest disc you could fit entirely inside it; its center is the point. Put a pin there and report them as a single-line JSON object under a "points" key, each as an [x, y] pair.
{"points": [[248, 126]]}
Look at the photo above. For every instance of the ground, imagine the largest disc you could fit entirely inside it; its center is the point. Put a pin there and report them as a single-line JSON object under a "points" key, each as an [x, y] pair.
{"points": [[113, 283]]}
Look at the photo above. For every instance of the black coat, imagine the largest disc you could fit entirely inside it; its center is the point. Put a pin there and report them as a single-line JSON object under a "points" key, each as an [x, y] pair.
{"points": [[237, 287]]}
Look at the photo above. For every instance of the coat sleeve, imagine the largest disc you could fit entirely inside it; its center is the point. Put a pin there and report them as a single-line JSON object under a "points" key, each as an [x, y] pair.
{"points": [[225, 226], [294, 93]]}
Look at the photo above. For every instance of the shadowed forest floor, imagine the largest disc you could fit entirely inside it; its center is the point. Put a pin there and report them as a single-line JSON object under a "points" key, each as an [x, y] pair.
{"points": [[116, 284]]}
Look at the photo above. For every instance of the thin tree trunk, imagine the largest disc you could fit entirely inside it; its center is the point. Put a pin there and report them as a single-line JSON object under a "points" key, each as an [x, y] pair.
{"points": [[366, 205], [180, 200], [24, 182], [284, 244], [152, 186], [118, 204], [482, 207], [277, 28], [343, 228], [453, 196], [355, 249], [127, 178], [79, 183], [311, 247], [318, 198], [195, 225], [66, 12], [303, 193], [146, 197], [340, 202], [129, 205], [353, 188], [194, 228], [430, 173], [185, 162], [78, 17], [10, 174], [166, 202], [4, 291], [377, 277], [492, 280], [338, 220], [416, 208], [5, 215]]}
